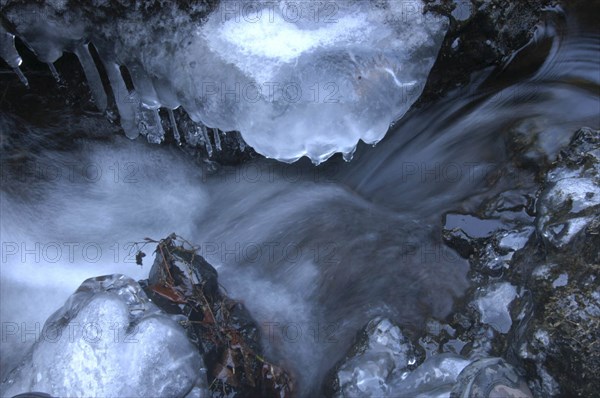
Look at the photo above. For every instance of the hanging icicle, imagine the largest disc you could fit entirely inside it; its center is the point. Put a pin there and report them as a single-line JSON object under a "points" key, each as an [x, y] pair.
{"points": [[9, 53], [92, 75], [54, 72], [217, 139], [174, 126], [207, 144]]}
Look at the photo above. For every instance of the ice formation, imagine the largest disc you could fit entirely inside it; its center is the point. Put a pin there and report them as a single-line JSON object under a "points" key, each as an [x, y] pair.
{"points": [[385, 350], [109, 340], [384, 363], [494, 306], [295, 78]]}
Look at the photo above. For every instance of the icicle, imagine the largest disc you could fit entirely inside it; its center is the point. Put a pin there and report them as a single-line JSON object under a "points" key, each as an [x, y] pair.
{"points": [[207, 144], [21, 76], [174, 126], [217, 139], [157, 134], [241, 142], [166, 95], [349, 155], [144, 86], [93, 77], [147, 122], [9, 53], [54, 72], [125, 103]]}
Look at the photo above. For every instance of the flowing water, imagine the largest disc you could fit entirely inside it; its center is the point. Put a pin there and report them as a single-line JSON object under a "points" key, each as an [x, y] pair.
{"points": [[313, 252]]}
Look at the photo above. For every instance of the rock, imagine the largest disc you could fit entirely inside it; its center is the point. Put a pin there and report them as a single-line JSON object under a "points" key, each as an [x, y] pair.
{"points": [[381, 350], [383, 362], [182, 282], [490, 378], [570, 199], [559, 343], [434, 377], [515, 240], [490, 252], [460, 241], [551, 330], [110, 340], [482, 33], [496, 257]]}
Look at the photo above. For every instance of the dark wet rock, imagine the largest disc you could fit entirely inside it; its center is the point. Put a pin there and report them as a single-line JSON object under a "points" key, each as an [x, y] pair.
{"points": [[536, 297], [559, 344], [570, 199], [534, 259], [495, 256], [515, 206], [460, 241], [489, 243], [475, 239], [441, 338], [483, 33], [181, 281], [536, 300]]}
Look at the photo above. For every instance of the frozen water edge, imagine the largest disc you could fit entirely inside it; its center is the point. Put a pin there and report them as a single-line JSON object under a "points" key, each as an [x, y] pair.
{"points": [[308, 86]]}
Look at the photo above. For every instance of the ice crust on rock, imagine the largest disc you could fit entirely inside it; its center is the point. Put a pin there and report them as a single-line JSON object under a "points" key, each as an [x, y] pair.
{"points": [[435, 377], [493, 305], [385, 364], [110, 340], [385, 350], [296, 79], [571, 198]]}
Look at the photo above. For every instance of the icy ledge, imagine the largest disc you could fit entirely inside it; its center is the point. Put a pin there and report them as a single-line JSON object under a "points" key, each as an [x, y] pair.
{"points": [[109, 340], [295, 78]]}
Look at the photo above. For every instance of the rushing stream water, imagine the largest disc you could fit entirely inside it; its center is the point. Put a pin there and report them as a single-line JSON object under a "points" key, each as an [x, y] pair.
{"points": [[323, 248]]}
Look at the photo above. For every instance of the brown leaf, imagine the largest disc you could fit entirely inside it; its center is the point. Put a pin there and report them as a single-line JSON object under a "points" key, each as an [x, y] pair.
{"points": [[168, 293]]}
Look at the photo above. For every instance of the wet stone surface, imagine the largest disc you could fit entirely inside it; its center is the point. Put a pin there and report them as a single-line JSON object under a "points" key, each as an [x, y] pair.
{"points": [[182, 282], [380, 350], [559, 345], [536, 300]]}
